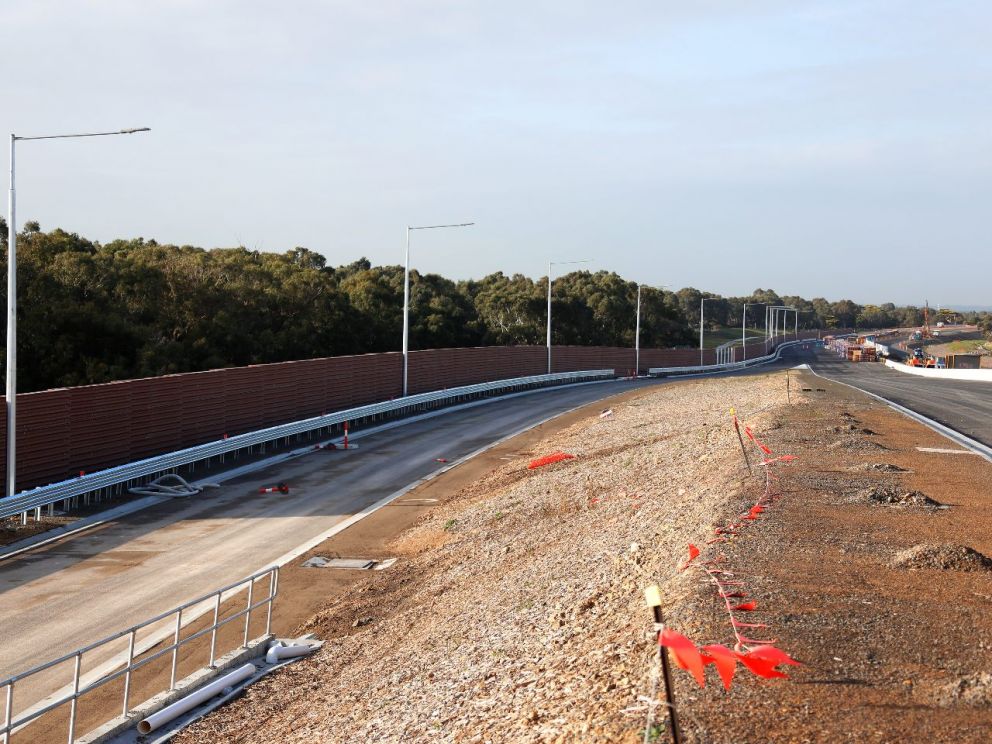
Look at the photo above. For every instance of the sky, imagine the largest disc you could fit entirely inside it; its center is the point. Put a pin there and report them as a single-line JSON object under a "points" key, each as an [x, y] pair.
{"points": [[835, 149]]}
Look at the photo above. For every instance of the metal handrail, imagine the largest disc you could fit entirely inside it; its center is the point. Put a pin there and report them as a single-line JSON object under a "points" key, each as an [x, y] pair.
{"points": [[131, 665], [153, 466]]}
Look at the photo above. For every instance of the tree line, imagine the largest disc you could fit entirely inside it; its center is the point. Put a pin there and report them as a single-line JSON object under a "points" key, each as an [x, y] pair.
{"points": [[91, 312]]}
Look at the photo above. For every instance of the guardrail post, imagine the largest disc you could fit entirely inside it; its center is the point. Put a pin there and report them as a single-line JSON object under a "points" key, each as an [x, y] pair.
{"points": [[213, 631], [127, 675], [8, 713], [175, 649], [75, 698]]}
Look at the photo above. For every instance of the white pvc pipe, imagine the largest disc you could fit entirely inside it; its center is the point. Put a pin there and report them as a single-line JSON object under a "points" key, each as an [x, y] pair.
{"points": [[189, 702], [278, 652]]}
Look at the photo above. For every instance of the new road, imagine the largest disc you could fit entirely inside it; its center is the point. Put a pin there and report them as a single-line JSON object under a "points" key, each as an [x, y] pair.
{"points": [[962, 405], [62, 596], [70, 593]]}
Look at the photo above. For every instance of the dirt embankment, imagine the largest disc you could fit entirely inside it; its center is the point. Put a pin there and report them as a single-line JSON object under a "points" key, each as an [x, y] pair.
{"points": [[515, 612]]}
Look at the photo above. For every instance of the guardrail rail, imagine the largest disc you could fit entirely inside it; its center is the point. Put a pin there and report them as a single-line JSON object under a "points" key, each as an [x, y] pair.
{"points": [[120, 478], [728, 367]]}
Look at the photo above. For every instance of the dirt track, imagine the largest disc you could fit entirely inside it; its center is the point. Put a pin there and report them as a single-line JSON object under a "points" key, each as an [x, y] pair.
{"points": [[515, 613]]}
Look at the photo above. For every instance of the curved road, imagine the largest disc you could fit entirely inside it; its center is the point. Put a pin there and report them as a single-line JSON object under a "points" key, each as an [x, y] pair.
{"points": [[962, 405], [60, 597]]}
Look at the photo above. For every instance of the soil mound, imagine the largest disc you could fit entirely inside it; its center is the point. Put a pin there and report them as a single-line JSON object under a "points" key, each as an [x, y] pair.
{"points": [[881, 467], [859, 445], [898, 497], [946, 556]]}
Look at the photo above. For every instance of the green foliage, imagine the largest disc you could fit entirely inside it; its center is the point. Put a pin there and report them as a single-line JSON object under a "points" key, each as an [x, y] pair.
{"points": [[134, 308]]}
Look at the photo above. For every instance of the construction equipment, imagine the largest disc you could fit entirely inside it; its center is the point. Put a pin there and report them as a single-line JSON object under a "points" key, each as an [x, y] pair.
{"points": [[920, 358]]}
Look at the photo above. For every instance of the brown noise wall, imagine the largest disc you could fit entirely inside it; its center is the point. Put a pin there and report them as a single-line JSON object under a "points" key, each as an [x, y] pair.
{"points": [[63, 431]]}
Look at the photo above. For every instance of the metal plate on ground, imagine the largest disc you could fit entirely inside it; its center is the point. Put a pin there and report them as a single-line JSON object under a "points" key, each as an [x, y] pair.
{"points": [[351, 564]]}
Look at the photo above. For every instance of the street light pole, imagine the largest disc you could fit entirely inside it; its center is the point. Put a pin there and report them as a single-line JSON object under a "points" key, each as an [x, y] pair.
{"points": [[406, 296], [701, 303], [550, 264], [11, 392], [637, 336], [744, 330], [11, 389]]}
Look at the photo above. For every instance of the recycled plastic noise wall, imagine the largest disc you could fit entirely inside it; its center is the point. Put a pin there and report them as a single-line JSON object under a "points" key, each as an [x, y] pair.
{"points": [[63, 431]]}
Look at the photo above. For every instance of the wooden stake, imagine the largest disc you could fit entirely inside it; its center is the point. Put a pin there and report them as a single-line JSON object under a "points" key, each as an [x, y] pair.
{"points": [[653, 597], [737, 428]]}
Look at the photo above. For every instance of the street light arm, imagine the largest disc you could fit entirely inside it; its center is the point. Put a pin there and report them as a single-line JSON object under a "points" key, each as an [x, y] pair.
{"points": [[84, 134], [437, 227], [406, 296]]}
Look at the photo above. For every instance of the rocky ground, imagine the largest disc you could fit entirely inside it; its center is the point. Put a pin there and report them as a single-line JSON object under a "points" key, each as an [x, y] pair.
{"points": [[516, 610]]}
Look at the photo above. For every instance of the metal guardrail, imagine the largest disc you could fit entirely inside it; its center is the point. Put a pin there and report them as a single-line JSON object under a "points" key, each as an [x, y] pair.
{"points": [[123, 476], [730, 366], [131, 665]]}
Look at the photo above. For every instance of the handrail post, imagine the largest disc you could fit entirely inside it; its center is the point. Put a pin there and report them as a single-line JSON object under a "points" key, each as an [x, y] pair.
{"points": [[213, 631], [127, 675], [8, 713], [273, 577], [251, 586], [175, 649], [75, 698]]}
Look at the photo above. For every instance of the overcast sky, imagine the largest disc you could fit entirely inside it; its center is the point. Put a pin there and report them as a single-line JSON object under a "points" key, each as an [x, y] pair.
{"points": [[835, 148]]}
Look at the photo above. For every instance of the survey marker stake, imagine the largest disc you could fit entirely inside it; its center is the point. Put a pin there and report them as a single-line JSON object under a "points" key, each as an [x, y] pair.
{"points": [[653, 597], [740, 439], [281, 488]]}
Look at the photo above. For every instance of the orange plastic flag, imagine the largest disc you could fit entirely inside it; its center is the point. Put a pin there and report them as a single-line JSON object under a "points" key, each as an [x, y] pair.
{"points": [[770, 653], [685, 653], [725, 660], [746, 606], [693, 554]]}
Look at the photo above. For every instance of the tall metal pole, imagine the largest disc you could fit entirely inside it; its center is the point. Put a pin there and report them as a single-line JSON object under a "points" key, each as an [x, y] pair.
{"points": [[406, 313], [11, 331], [637, 336], [11, 391], [701, 301], [549, 317], [744, 330]]}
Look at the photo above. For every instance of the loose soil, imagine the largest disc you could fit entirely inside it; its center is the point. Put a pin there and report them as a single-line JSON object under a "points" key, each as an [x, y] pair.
{"points": [[515, 612]]}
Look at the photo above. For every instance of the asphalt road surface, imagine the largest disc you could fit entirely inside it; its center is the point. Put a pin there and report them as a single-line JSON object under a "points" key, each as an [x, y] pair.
{"points": [[963, 405], [68, 594]]}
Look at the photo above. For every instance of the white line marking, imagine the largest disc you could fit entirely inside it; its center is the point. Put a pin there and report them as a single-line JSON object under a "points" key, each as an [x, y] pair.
{"points": [[942, 451]]}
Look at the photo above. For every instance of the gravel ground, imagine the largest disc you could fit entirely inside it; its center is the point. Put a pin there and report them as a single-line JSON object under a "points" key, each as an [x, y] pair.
{"points": [[516, 613]]}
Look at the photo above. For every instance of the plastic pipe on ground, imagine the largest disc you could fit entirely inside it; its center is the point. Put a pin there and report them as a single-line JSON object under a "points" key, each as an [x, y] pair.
{"points": [[170, 712], [279, 652]]}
